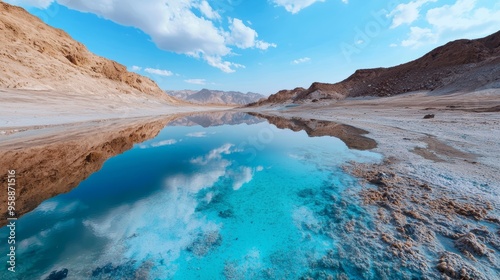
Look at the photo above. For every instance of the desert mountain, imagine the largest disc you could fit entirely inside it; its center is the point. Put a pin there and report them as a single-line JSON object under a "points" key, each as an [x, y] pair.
{"points": [[206, 96], [36, 56], [458, 65]]}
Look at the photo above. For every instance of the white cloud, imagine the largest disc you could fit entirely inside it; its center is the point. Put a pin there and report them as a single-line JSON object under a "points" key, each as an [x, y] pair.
{"points": [[294, 6], [245, 37], [189, 27], [407, 13], [42, 4], [464, 15], [135, 68], [207, 11], [225, 66], [419, 36], [241, 35], [196, 81], [462, 19], [160, 72], [301, 60], [264, 45]]}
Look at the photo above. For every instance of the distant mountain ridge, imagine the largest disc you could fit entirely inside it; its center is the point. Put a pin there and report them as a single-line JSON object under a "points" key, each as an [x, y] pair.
{"points": [[207, 96], [457, 65]]}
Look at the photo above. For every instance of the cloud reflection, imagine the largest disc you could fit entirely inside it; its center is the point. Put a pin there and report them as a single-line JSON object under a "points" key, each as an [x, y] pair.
{"points": [[166, 224]]}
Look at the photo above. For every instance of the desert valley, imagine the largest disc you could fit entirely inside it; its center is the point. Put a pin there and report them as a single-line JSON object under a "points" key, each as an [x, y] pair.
{"points": [[391, 173]]}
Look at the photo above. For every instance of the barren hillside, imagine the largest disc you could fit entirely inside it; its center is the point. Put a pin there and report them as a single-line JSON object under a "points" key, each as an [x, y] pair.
{"points": [[36, 56], [461, 65]]}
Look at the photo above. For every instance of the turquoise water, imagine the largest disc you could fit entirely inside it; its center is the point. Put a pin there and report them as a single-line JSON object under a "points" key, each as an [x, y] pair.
{"points": [[223, 202]]}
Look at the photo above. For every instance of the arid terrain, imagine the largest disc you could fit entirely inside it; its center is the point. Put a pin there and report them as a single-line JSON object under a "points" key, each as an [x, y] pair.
{"points": [[436, 121], [461, 65]]}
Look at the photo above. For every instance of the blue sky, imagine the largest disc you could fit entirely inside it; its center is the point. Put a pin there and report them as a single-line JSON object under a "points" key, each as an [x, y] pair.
{"points": [[263, 45]]}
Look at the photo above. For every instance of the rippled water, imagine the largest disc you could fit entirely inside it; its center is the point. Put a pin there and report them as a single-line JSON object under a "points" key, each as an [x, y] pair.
{"points": [[244, 201]]}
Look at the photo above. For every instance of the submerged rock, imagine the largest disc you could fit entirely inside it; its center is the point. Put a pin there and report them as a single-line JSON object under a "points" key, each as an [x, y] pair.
{"points": [[58, 275], [205, 242], [123, 271], [228, 213]]}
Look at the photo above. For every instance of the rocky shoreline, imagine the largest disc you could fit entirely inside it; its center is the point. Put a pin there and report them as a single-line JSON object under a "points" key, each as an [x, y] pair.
{"points": [[434, 199], [441, 232]]}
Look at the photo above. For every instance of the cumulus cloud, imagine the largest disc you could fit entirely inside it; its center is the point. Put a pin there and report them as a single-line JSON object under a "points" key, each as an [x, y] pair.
{"points": [[190, 27], [464, 15], [294, 6], [301, 60], [196, 81], [160, 72], [462, 19], [245, 37], [207, 11], [407, 13], [264, 45], [419, 36]]}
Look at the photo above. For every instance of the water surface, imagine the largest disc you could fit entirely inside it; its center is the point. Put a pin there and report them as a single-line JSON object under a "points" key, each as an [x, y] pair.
{"points": [[239, 200]]}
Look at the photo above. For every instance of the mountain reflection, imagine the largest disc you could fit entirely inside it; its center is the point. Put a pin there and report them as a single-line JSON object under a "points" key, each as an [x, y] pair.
{"points": [[216, 119], [350, 135], [55, 162]]}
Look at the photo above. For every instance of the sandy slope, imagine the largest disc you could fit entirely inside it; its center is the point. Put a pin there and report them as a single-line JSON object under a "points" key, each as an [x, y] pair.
{"points": [[36, 56]]}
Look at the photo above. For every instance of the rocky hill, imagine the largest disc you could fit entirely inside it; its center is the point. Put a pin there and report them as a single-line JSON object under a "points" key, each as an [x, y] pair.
{"points": [[206, 96], [36, 56], [458, 65]]}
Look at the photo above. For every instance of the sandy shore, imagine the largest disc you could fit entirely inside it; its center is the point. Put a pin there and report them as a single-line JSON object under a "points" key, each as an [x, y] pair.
{"points": [[26, 109]]}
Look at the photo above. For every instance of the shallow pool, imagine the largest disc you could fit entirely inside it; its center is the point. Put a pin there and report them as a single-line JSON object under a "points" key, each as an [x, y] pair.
{"points": [[231, 201]]}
